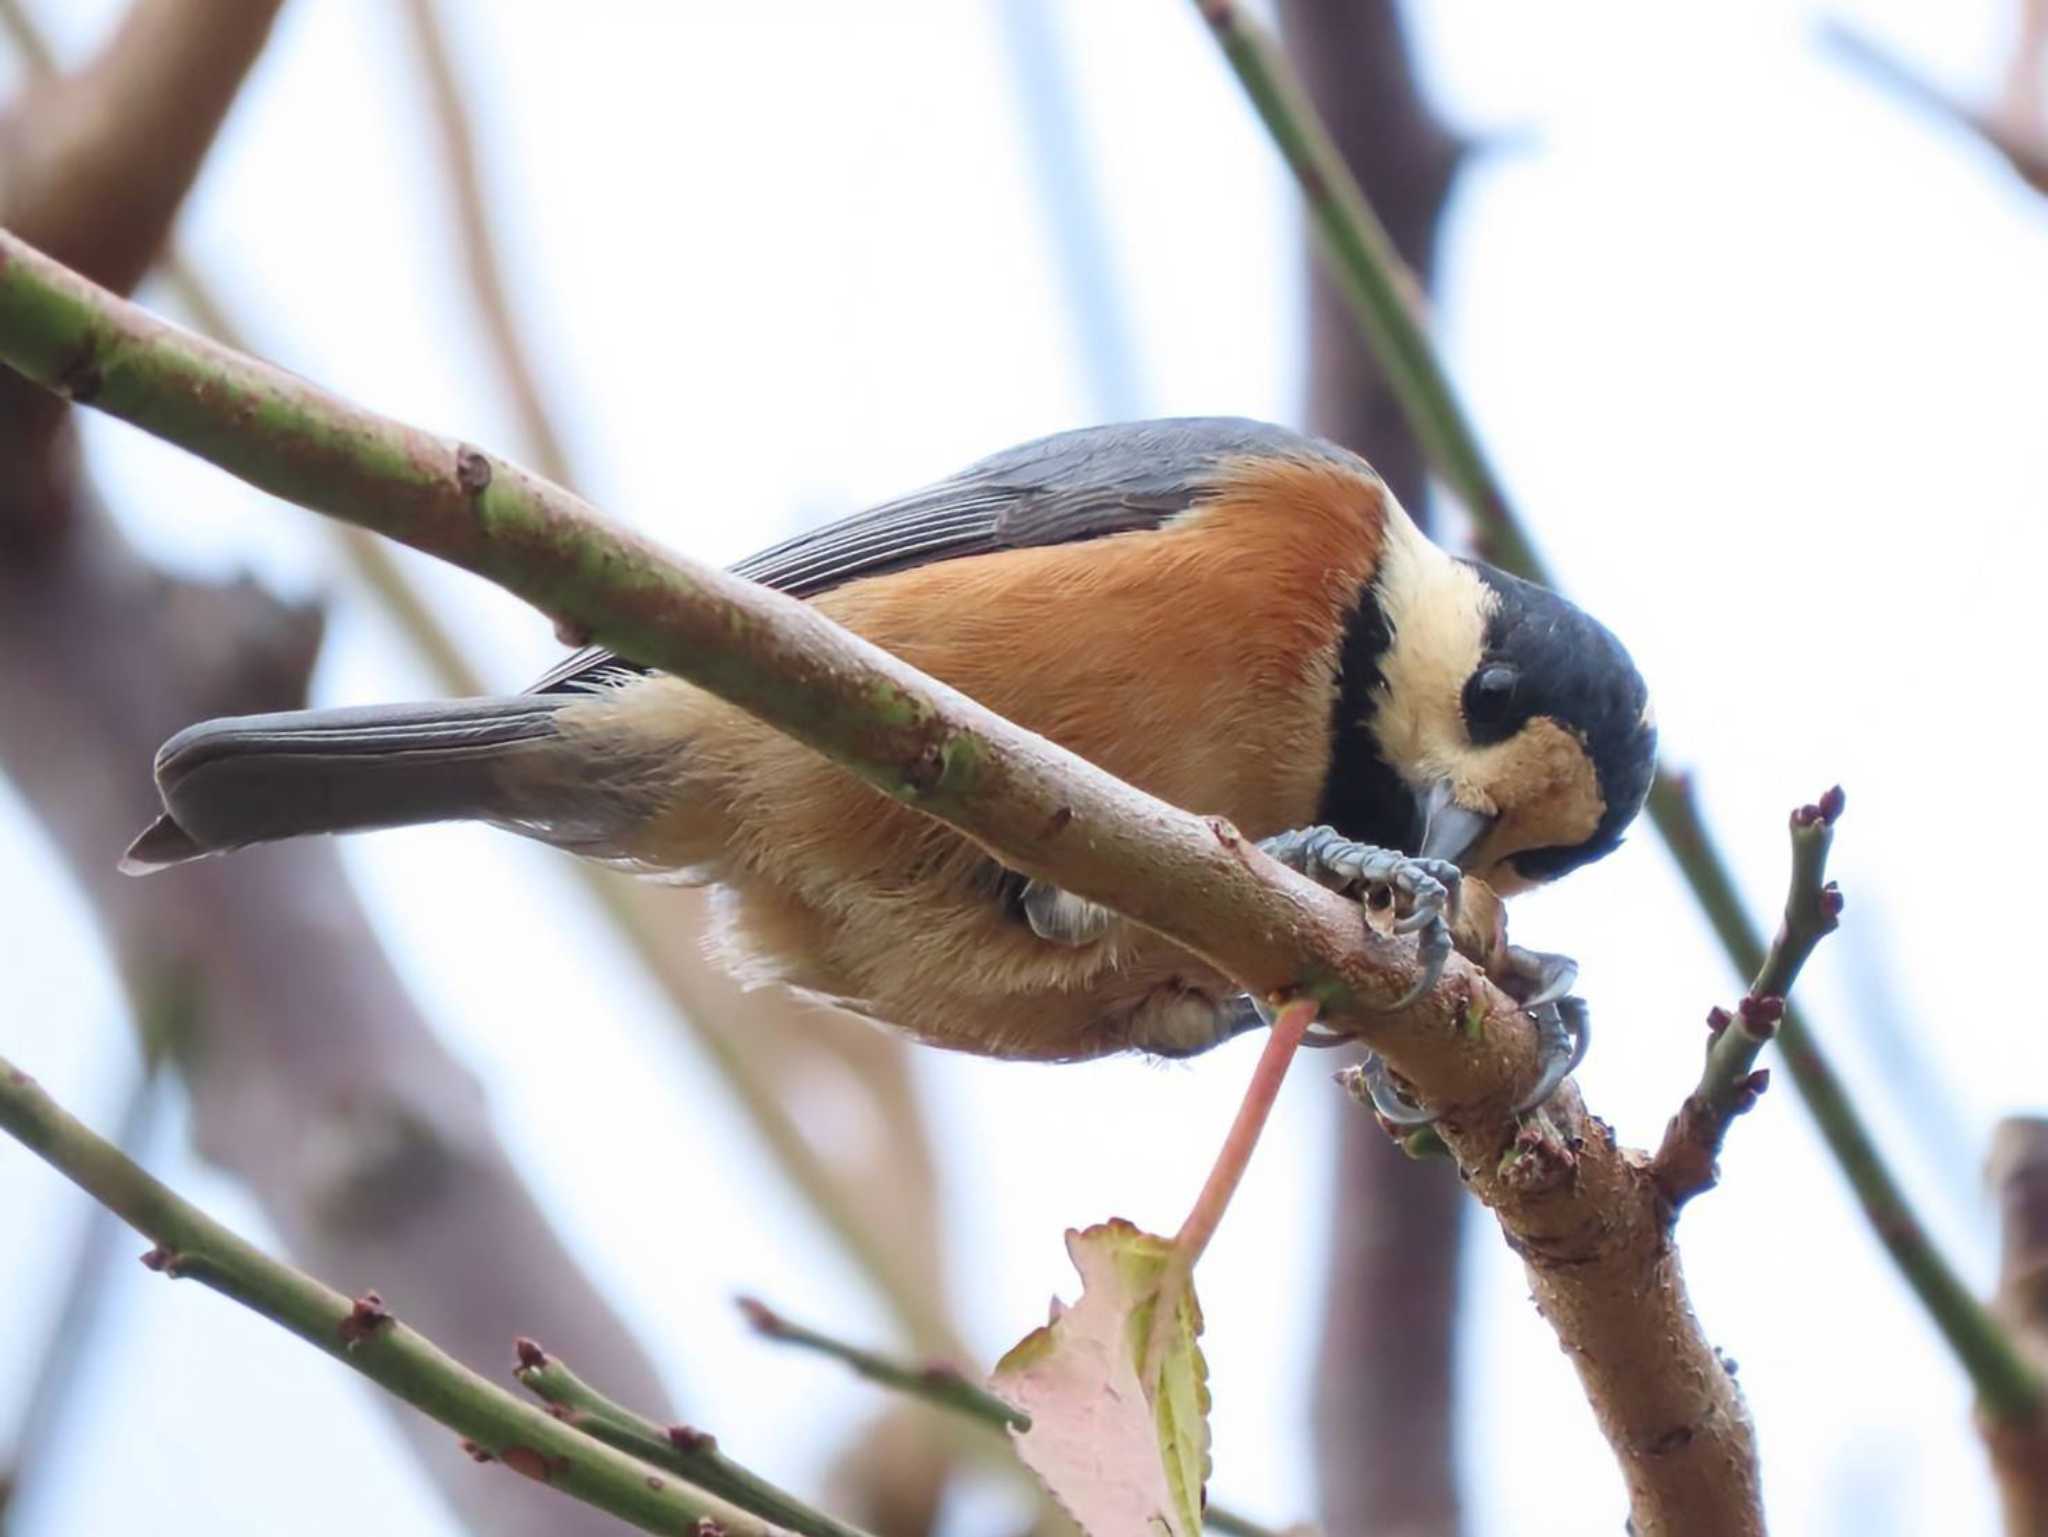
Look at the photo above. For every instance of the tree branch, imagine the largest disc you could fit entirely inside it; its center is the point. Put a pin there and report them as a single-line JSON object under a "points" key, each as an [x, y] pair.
{"points": [[939, 1383], [1381, 301], [359, 1333], [690, 1454], [1586, 1217], [2019, 1448], [1730, 1082]]}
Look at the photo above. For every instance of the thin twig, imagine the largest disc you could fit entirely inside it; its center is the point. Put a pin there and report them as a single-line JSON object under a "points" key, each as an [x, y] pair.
{"points": [[360, 1333], [1731, 1081], [690, 1454], [479, 249], [1372, 279], [936, 1383], [1041, 810]]}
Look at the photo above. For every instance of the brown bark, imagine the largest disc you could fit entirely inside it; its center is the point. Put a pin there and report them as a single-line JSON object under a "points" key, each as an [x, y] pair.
{"points": [[1384, 1398], [312, 1074], [2019, 1179]]}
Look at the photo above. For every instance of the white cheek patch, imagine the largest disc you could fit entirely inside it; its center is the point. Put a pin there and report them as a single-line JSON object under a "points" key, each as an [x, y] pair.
{"points": [[1438, 610]]}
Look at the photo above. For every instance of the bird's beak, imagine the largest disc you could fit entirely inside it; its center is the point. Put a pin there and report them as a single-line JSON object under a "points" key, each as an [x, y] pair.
{"points": [[1449, 830]]}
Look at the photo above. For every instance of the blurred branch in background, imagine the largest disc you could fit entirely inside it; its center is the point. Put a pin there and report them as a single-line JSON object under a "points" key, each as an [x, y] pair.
{"points": [[1071, 195], [2018, 1172], [2015, 125], [1386, 1454], [1381, 294], [362, 1333], [310, 1071]]}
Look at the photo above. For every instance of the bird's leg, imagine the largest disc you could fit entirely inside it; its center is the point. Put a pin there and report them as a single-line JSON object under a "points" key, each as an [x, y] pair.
{"points": [[1424, 891], [1289, 1023]]}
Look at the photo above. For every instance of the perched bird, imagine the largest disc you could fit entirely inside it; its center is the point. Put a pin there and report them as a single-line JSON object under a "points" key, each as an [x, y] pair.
{"points": [[1235, 617]]}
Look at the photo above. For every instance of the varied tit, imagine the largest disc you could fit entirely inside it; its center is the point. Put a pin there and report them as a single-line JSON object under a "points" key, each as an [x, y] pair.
{"points": [[1239, 619]]}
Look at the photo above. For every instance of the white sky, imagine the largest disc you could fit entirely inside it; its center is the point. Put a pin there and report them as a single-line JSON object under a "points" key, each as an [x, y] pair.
{"points": [[1751, 343]]}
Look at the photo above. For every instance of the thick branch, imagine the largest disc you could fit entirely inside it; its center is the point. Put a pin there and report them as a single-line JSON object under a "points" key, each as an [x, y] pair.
{"points": [[2019, 1448], [1586, 1216], [360, 1334]]}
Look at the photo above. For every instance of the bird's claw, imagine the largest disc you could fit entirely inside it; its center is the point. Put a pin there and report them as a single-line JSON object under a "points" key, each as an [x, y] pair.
{"points": [[1389, 1102], [1537, 977], [1564, 1029], [1424, 891]]}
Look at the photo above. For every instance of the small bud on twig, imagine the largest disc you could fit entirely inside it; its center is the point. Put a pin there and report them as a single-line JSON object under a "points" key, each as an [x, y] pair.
{"points": [[688, 1438], [364, 1318], [1760, 1016], [1718, 1019], [531, 1357], [763, 1318]]}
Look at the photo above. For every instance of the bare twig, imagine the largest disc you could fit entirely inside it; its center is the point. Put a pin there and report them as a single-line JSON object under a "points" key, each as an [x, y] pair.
{"points": [[1381, 301], [1731, 1080], [2019, 1449], [479, 249], [690, 1454], [937, 1383], [1586, 1216], [360, 1333]]}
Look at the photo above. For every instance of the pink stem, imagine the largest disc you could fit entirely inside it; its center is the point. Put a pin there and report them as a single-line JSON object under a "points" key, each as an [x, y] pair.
{"points": [[1236, 1153]]}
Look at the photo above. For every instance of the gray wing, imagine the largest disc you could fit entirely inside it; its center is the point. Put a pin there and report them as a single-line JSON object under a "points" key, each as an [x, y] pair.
{"points": [[1072, 486]]}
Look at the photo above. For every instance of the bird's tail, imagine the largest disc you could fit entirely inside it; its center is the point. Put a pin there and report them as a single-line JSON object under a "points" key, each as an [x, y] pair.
{"points": [[259, 778]]}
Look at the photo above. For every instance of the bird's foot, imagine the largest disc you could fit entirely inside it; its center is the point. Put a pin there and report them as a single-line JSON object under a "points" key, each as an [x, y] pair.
{"points": [[1542, 984], [1424, 891]]}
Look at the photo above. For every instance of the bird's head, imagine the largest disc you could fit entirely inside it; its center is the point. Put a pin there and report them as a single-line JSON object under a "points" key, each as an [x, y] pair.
{"points": [[1517, 724]]}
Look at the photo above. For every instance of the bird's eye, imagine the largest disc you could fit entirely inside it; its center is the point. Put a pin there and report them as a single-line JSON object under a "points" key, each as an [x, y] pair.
{"points": [[1490, 697]]}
